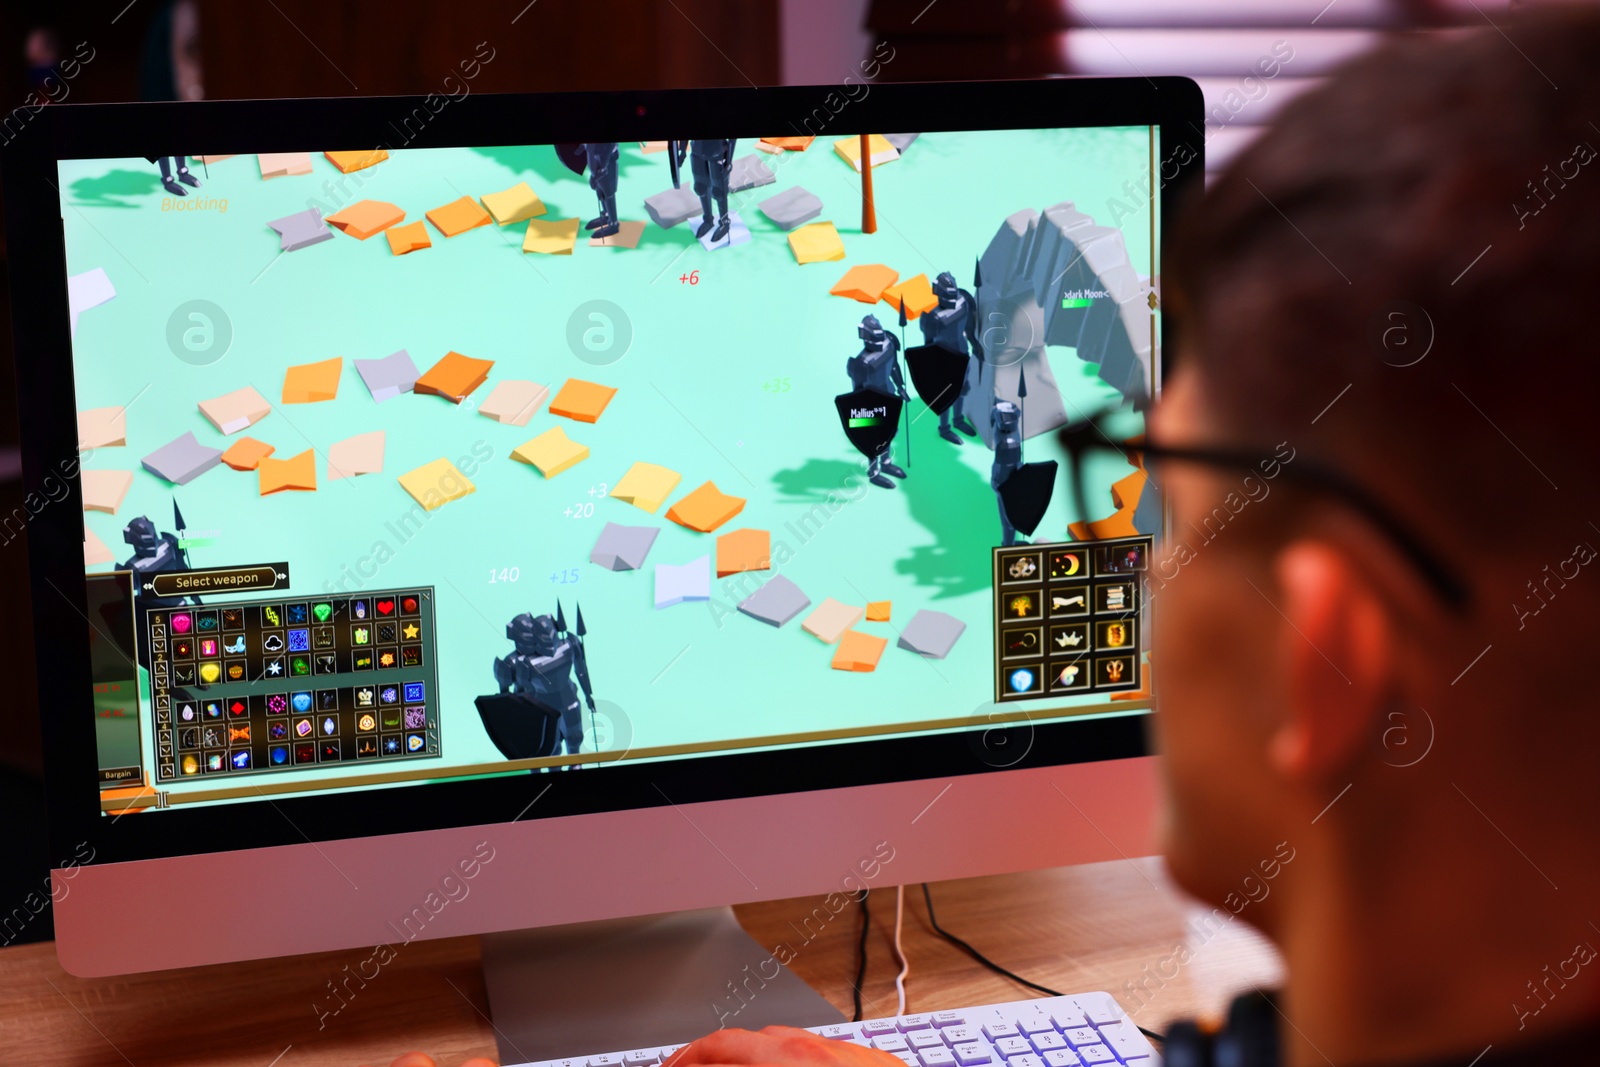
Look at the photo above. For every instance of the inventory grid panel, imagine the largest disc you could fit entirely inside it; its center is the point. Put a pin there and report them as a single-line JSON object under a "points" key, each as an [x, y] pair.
{"points": [[1069, 618], [274, 685]]}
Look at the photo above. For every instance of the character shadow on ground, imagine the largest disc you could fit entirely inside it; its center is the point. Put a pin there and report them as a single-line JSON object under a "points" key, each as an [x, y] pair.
{"points": [[115, 188]]}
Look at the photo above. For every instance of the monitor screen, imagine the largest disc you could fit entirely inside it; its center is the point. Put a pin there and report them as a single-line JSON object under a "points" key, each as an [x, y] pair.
{"points": [[414, 465]]}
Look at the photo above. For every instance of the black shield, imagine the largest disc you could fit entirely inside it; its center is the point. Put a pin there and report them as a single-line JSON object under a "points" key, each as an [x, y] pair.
{"points": [[573, 156], [1026, 494], [521, 726], [938, 374], [869, 419]]}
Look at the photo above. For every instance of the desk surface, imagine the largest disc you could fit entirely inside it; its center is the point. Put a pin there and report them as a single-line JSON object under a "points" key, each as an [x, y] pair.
{"points": [[1074, 929]]}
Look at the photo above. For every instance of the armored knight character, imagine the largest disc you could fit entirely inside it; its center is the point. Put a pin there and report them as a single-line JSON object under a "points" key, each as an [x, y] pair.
{"points": [[711, 163], [602, 158], [1005, 420], [542, 666], [877, 367], [951, 326]]}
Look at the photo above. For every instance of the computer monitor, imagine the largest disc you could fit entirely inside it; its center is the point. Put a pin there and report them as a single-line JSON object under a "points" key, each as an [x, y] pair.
{"points": [[441, 524]]}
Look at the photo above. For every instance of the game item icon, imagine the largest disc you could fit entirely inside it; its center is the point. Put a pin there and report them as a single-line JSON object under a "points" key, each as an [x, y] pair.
{"points": [[1022, 605], [1022, 567]]}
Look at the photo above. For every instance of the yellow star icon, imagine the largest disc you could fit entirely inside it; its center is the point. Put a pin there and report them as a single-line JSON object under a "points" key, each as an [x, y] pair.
{"points": [[411, 631]]}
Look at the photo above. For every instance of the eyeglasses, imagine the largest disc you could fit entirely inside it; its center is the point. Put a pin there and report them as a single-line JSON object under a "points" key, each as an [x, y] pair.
{"points": [[1090, 436]]}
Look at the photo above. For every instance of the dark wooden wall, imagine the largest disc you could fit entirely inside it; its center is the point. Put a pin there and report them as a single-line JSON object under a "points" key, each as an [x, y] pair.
{"points": [[350, 47]]}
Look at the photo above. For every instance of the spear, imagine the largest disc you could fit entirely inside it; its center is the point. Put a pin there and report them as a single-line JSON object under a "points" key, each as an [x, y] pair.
{"points": [[182, 527], [581, 631], [904, 408], [561, 622], [1022, 409]]}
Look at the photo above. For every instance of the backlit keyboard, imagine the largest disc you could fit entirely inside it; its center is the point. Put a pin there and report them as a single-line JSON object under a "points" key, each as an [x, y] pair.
{"points": [[1082, 1030]]}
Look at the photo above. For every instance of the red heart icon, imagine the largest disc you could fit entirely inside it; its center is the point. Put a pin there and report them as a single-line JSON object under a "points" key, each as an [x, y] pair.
{"points": [[385, 607]]}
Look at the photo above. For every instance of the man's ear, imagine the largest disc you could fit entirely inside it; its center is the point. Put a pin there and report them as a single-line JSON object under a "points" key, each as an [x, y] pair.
{"points": [[1336, 658]]}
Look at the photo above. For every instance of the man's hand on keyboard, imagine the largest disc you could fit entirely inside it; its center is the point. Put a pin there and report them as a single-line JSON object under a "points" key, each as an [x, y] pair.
{"points": [[777, 1046]]}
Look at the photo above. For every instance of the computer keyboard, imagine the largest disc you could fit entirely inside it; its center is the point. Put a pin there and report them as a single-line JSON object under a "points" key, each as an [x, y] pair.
{"points": [[1082, 1030]]}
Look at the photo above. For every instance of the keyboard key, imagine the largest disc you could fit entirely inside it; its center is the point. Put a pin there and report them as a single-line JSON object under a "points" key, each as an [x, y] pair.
{"points": [[959, 1034], [942, 1019], [889, 1042], [937, 1057], [909, 1058], [1092, 1054], [1062, 1057], [1100, 1008], [1035, 1024], [608, 1059], [925, 1039], [995, 1031], [913, 1022], [874, 1027], [838, 1031], [1124, 1039], [1069, 1018], [640, 1057], [1028, 1060], [1083, 1036], [1013, 1046], [972, 1054], [1047, 1040]]}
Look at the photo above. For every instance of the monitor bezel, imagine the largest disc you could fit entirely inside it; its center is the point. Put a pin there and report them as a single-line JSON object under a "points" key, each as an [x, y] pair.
{"points": [[48, 414]]}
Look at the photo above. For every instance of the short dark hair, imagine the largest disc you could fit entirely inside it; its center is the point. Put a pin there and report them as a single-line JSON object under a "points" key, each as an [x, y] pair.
{"points": [[1457, 174]]}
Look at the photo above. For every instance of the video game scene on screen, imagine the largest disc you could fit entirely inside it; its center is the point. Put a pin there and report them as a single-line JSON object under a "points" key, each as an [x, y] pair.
{"points": [[404, 464]]}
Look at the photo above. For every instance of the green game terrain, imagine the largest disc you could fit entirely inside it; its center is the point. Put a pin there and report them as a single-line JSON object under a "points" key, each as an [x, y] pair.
{"points": [[729, 377]]}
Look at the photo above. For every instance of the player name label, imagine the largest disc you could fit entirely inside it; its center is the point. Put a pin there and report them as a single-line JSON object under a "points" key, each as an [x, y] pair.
{"points": [[233, 579]]}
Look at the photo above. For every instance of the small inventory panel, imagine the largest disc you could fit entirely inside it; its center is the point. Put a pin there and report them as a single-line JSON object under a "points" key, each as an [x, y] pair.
{"points": [[276, 685], [1068, 617]]}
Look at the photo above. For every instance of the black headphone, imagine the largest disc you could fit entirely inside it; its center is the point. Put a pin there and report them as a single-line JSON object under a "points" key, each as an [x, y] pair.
{"points": [[1249, 1038]]}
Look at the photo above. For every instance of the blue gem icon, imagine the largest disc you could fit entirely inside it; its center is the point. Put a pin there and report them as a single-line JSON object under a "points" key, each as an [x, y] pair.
{"points": [[1022, 680], [413, 692], [279, 755], [301, 701]]}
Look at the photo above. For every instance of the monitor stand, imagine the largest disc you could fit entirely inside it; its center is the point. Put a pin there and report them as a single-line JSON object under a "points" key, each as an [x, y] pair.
{"points": [[621, 984]]}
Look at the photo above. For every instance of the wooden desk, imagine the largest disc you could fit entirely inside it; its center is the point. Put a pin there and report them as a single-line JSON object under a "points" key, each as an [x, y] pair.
{"points": [[1073, 929]]}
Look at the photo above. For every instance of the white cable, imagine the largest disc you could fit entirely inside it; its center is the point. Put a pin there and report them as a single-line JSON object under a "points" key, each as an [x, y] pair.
{"points": [[899, 954]]}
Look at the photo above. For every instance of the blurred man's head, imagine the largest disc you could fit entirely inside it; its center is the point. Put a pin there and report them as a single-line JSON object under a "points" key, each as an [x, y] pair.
{"points": [[1398, 281]]}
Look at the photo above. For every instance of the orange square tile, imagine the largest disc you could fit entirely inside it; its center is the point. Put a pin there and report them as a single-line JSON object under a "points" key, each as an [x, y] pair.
{"points": [[744, 550], [865, 282], [311, 382], [581, 400], [351, 161], [858, 651], [705, 509], [459, 216], [362, 220], [454, 377], [918, 294], [878, 610], [297, 472], [246, 454], [408, 238]]}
